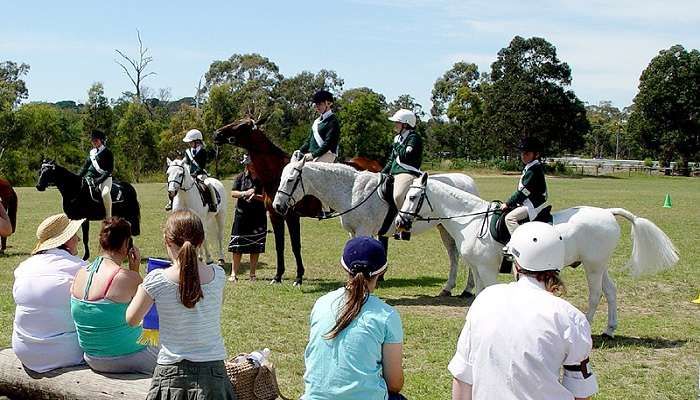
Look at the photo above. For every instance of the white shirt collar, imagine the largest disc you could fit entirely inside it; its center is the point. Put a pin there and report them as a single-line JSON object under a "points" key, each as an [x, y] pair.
{"points": [[325, 115], [531, 163], [97, 150], [527, 281]]}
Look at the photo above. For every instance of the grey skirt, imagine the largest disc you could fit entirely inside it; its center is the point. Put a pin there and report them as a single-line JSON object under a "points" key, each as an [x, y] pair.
{"points": [[187, 380]]}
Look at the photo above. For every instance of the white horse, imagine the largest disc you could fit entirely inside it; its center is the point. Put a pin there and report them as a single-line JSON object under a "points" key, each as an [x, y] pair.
{"points": [[343, 188], [590, 234], [185, 195]]}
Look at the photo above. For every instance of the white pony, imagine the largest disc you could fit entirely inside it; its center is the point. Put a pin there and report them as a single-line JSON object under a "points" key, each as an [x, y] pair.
{"points": [[343, 188], [590, 235], [185, 195]]}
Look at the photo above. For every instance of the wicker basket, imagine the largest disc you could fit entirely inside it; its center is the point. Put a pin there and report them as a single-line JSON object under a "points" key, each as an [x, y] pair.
{"points": [[252, 382]]}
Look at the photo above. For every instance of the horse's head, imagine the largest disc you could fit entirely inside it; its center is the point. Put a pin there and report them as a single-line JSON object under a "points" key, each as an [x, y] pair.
{"points": [[412, 204], [176, 173], [291, 188], [46, 175], [239, 133]]}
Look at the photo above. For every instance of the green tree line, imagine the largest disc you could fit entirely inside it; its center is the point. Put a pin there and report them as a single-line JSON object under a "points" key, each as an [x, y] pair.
{"points": [[475, 115]]}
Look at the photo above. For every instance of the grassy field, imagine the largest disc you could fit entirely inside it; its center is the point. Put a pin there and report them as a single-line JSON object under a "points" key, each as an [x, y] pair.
{"points": [[654, 356]]}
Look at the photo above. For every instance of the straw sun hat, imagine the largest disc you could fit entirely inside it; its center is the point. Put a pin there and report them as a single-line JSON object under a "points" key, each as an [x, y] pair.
{"points": [[55, 231]]}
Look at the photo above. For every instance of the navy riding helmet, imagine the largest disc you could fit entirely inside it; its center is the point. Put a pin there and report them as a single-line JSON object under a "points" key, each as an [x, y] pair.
{"points": [[364, 255], [321, 96]]}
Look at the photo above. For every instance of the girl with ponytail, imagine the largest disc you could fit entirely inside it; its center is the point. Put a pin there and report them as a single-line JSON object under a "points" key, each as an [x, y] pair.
{"points": [[189, 295], [355, 344]]}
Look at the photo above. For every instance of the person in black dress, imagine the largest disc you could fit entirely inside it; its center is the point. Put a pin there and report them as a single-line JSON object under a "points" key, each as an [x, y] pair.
{"points": [[250, 220]]}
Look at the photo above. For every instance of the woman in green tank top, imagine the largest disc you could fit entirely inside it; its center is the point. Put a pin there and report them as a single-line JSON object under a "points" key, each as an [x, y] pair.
{"points": [[99, 298]]}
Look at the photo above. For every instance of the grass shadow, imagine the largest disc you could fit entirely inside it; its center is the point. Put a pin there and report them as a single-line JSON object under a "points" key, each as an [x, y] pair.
{"points": [[7, 254], [600, 341], [422, 301], [322, 285]]}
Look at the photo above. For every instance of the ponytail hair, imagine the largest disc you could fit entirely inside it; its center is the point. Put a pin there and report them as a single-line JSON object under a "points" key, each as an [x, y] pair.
{"points": [[357, 292], [184, 229]]}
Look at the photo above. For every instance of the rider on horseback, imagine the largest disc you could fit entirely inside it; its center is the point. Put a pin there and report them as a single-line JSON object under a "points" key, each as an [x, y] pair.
{"points": [[406, 154], [98, 168], [531, 196], [196, 157], [322, 143]]}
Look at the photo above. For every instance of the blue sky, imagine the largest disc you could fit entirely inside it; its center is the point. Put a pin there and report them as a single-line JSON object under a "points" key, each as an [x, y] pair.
{"points": [[391, 46]]}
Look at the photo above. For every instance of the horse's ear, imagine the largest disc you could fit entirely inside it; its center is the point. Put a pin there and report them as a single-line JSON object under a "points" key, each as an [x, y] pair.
{"points": [[169, 161], [296, 156], [424, 178], [262, 120]]}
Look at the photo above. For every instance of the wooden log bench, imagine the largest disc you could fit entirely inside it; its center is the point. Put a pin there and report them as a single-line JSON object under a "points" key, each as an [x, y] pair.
{"points": [[79, 383]]}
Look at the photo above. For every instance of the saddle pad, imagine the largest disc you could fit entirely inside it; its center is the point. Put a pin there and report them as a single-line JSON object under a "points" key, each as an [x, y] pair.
{"points": [[117, 193], [499, 230]]}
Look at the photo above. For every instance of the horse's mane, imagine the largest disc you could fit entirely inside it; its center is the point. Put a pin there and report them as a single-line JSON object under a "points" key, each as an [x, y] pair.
{"points": [[457, 194], [342, 168], [273, 148]]}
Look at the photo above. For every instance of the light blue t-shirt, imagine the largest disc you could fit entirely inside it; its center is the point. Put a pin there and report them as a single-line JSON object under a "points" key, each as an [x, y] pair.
{"points": [[350, 365]]}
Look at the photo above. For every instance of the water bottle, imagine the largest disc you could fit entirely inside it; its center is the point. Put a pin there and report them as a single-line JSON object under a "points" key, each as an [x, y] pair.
{"points": [[259, 357]]}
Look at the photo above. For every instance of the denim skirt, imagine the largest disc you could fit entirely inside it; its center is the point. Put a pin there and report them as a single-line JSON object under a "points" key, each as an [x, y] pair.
{"points": [[187, 380]]}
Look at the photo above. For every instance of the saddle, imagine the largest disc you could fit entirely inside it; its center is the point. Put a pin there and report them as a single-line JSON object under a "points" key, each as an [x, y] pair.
{"points": [[499, 230], [117, 191], [205, 194], [386, 193]]}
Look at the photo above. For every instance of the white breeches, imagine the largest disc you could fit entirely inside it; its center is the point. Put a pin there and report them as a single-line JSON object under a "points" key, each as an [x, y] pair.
{"points": [[106, 193], [518, 214], [402, 182]]}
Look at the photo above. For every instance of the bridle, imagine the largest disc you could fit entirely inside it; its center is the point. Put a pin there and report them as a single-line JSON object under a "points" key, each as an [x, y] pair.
{"points": [[419, 205], [290, 203], [424, 198], [45, 167], [181, 181]]}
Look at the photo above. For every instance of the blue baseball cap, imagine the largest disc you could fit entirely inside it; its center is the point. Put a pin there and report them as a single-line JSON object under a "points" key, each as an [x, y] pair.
{"points": [[365, 255]]}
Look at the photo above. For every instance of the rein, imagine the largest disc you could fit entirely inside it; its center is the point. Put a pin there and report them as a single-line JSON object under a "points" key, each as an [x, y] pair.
{"points": [[291, 202], [482, 231], [181, 181]]}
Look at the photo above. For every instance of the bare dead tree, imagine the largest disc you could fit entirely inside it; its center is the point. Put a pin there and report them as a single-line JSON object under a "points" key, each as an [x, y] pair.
{"points": [[138, 64], [198, 95]]}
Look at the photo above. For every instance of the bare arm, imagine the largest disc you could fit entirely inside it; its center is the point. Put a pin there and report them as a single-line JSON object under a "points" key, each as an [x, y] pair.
{"points": [[461, 390], [392, 354], [138, 307]]}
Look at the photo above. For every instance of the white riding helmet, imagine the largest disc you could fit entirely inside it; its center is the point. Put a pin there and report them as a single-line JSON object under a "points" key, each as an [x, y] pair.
{"points": [[405, 116], [537, 246], [192, 135]]}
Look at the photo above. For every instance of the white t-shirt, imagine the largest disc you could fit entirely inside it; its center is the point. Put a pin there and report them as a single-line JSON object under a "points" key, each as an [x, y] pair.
{"points": [[192, 334], [516, 340], [43, 334]]}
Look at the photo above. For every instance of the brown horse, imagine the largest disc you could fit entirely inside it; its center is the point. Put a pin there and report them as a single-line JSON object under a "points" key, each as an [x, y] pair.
{"points": [[268, 161], [9, 201]]}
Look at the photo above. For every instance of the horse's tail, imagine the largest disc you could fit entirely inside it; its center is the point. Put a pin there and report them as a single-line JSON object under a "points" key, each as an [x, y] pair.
{"points": [[133, 214], [12, 204], [652, 250]]}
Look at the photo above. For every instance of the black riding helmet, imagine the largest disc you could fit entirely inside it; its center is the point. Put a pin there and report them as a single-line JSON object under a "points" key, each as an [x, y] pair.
{"points": [[321, 96], [98, 134], [531, 144]]}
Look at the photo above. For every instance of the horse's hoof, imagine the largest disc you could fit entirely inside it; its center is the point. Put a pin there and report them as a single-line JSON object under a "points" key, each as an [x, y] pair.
{"points": [[275, 281], [606, 336], [466, 294], [297, 282], [445, 293], [221, 262]]}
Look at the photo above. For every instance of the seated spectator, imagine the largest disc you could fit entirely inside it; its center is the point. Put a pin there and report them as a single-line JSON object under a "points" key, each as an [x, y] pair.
{"points": [[355, 344], [189, 295], [43, 334], [100, 295], [520, 336]]}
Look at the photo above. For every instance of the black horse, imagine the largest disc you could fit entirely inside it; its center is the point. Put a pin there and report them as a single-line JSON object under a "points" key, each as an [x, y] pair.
{"points": [[79, 202]]}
